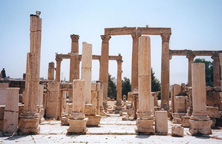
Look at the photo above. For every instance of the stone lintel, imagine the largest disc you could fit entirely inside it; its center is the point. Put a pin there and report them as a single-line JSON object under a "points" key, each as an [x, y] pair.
{"points": [[195, 53], [120, 31], [153, 30]]}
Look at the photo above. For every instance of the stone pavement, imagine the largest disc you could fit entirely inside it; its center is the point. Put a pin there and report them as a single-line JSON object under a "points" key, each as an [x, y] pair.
{"points": [[111, 130]]}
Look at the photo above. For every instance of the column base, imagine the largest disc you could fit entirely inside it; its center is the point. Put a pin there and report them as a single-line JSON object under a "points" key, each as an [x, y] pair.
{"points": [[144, 126], [118, 109], [93, 120], [29, 123], [199, 127], [185, 121], [77, 126]]}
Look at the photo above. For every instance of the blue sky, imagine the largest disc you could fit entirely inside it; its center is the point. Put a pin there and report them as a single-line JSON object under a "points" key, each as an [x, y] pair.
{"points": [[196, 25]]}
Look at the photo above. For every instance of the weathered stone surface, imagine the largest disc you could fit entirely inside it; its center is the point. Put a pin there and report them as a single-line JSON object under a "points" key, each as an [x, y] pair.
{"points": [[161, 122], [174, 92], [51, 70], [180, 104], [200, 122], [144, 126], [77, 126], [93, 120], [213, 112], [87, 69], [185, 121], [177, 130]]}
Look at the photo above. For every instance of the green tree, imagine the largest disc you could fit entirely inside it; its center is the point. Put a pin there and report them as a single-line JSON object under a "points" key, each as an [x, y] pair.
{"points": [[208, 70], [126, 86], [111, 87], [155, 83]]}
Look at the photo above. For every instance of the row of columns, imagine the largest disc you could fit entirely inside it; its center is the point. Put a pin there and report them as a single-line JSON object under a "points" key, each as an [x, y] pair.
{"points": [[216, 69]]}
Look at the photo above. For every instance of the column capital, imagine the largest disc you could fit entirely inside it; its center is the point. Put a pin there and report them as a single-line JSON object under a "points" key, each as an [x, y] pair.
{"points": [[105, 38], [75, 38], [135, 36], [190, 56], [58, 57], [215, 57], [165, 37]]}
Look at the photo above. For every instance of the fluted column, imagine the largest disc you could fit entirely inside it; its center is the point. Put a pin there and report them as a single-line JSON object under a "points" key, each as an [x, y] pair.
{"points": [[134, 73], [190, 58], [51, 71], [104, 65], [119, 82], [216, 71], [74, 61], [58, 67], [165, 73]]}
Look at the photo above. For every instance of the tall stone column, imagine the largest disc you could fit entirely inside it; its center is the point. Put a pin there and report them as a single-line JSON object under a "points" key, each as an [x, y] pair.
{"points": [[190, 58], [74, 61], [144, 121], [58, 67], [104, 66], [87, 69], [77, 120], [29, 122], [165, 73], [216, 71], [134, 73], [51, 71], [200, 122], [119, 86]]}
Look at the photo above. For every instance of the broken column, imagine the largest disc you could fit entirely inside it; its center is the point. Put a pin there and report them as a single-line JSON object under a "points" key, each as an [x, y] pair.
{"points": [[77, 120], [29, 122], [104, 66], [134, 74], [190, 58], [165, 71], [51, 71], [200, 122], [119, 87], [102, 112], [86, 75], [144, 121]]}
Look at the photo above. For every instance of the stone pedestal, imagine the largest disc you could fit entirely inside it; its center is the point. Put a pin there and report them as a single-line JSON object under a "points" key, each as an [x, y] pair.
{"points": [[93, 119], [77, 126], [200, 122], [77, 120], [144, 121], [161, 122], [185, 121], [29, 123]]}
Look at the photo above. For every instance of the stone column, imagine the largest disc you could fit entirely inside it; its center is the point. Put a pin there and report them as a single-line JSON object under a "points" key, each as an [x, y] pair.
{"points": [[144, 121], [87, 69], [74, 61], [165, 72], [119, 86], [220, 57], [216, 71], [104, 66], [29, 122], [102, 113], [77, 120], [190, 58], [51, 71], [58, 67], [200, 122], [134, 74]]}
